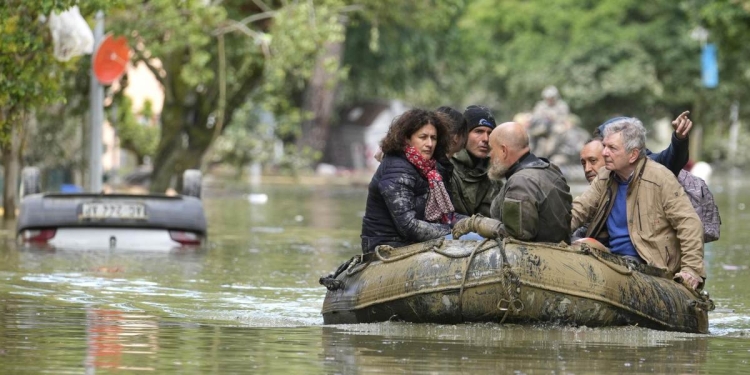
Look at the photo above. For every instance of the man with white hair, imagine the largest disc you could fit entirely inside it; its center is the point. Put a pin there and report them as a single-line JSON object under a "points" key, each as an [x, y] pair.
{"points": [[637, 208]]}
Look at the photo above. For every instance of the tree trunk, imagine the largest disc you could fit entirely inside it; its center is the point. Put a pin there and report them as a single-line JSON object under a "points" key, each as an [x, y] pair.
{"points": [[173, 155], [11, 167], [319, 99], [185, 136], [164, 163], [191, 158]]}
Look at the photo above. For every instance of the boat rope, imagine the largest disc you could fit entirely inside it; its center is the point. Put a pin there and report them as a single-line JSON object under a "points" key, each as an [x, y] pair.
{"points": [[622, 270], [463, 279], [507, 281], [409, 250], [462, 255]]}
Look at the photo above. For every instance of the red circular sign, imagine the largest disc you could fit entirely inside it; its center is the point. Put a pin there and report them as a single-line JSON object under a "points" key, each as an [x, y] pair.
{"points": [[111, 59]]}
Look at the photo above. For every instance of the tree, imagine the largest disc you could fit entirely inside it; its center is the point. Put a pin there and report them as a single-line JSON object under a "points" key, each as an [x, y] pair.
{"points": [[137, 131], [372, 57], [57, 141], [727, 23], [607, 57], [390, 53], [301, 76], [29, 77], [212, 58], [249, 139]]}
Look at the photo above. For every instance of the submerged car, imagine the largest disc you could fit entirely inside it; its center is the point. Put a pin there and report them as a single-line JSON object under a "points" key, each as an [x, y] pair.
{"points": [[114, 221]]}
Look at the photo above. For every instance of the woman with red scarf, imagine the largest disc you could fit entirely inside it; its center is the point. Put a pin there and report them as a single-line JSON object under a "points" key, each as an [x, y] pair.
{"points": [[407, 200]]}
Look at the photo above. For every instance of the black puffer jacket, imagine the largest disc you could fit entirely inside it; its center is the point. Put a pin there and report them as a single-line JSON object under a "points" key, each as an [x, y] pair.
{"points": [[395, 206]]}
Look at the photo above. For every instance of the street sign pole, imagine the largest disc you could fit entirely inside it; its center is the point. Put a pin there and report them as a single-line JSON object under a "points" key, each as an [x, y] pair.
{"points": [[97, 115]]}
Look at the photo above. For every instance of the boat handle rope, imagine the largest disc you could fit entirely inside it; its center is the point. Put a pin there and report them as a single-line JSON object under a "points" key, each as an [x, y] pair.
{"points": [[434, 246], [627, 271], [703, 302], [513, 303], [423, 247], [478, 250], [516, 305], [463, 279]]}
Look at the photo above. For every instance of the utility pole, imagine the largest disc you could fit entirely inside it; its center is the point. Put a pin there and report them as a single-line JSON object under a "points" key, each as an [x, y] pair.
{"points": [[97, 114]]}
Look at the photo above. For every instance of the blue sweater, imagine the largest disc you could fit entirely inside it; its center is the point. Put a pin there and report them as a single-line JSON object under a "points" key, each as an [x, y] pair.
{"points": [[617, 224]]}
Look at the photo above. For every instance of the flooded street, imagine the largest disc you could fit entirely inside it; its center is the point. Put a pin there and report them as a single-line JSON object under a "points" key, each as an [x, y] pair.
{"points": [[250, 303]]}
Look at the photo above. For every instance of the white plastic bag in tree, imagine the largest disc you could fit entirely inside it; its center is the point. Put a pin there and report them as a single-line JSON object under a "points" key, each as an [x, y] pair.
{"points": [[71, 34]]}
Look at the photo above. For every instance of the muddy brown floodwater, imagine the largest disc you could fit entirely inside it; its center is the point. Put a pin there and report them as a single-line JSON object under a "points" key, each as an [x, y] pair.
{"points": [[250, 303]]}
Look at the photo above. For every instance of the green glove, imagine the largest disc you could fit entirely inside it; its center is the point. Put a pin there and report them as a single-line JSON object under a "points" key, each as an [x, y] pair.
{"points": [[462, 227], [484, 226]]}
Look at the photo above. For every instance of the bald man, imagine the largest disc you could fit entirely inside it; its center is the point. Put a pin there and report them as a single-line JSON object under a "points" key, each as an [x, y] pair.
{"points": [[534, 204]]}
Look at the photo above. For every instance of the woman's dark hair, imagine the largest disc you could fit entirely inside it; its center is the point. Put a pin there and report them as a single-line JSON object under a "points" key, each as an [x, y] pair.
{"points": [[459, 125], [405, 125], [458, 128]]}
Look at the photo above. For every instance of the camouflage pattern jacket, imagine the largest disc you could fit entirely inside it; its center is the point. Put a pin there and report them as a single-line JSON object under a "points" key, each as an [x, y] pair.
{"points": [[535, 203], [395, 211], [471, 189]]}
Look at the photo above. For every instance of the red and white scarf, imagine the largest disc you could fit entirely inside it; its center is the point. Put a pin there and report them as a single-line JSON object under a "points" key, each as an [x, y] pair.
{"points": [[439, 206]]}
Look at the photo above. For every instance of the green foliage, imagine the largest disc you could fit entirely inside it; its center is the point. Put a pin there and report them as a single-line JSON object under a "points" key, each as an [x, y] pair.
{"points": [[391, 53], [213, 57], [29, 75], [57, 140], [138, 132], [728, 24], [607, 57], [163, 29], [250, 139], [299, 32]]}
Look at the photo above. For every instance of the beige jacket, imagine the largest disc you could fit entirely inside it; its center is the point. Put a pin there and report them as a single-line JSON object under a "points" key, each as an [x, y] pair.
{"points": [[663, 226]]}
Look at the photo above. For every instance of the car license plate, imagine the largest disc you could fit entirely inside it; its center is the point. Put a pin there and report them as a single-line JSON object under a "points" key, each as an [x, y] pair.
{"points": [[113, 211]]}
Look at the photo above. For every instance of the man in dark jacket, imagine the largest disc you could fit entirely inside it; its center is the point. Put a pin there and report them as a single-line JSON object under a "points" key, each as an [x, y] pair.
{"points": [[535, 203], [470, 187]]}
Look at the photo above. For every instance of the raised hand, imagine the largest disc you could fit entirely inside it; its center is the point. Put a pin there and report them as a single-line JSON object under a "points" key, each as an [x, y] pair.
{"points": [[682, 125]]}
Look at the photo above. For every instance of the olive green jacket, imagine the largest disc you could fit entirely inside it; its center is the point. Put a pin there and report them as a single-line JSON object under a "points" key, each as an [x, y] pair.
{"points": [[663, 226], [471, 190], [535, 203]]}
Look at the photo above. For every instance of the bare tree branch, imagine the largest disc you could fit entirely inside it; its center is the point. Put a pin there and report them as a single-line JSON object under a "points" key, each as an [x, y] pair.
{"points": [[262, 5], [154, 70], [237, 25]]}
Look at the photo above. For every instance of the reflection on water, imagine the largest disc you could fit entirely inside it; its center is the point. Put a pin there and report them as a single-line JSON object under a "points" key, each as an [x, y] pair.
{"points": [[491, 348], [250, 303], [113, 334]]}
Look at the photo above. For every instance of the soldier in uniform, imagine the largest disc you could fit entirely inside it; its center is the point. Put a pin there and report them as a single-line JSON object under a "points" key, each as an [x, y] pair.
{"points": [[547, 121]]}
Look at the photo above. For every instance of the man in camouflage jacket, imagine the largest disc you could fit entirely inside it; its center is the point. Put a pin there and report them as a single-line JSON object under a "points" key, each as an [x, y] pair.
{"points": [[470, 188], [535, 203]]}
